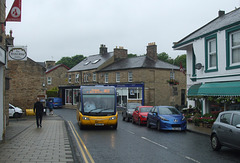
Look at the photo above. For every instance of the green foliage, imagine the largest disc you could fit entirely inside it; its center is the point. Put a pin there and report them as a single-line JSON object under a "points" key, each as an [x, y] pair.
{"points": [[165, 57], [132, 55], [52, 92], [71, 61], [180, 59]]}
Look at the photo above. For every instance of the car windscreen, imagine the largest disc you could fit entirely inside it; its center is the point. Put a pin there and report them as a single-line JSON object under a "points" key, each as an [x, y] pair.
{"points": [[145, 109], [168, 111], [98, 103]]}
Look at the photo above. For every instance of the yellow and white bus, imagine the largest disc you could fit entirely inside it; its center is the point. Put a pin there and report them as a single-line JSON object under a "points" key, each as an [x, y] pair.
{"points": [[97, 106]]}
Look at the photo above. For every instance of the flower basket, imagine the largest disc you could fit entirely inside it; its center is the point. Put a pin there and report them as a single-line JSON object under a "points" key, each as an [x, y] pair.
{"points": [[172, 82]]}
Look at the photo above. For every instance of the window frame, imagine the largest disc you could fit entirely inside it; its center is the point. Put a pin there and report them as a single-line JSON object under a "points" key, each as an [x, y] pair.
{"points": [[208, 40], [77, 78], [94, 76], [130, 76], [69, 78], [229, 32], [106, 78], [118, 77], [49, 83]]}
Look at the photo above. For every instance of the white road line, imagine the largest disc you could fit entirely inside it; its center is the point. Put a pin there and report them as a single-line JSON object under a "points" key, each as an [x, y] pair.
{"points": [[155, 143], [130, 132], [189, 158]]}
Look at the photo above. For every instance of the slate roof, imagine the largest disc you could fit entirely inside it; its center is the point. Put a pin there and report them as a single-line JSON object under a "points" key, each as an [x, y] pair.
{"points": [[55, 67], [220, 23], [139, 62], [92, 62]]}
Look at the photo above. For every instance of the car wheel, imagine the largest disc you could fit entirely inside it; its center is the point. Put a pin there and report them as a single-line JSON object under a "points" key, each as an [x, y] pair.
{"points": [[216, 146], [139, 122], [16, 115], [148, 124], [158, 126], [133, 121]]}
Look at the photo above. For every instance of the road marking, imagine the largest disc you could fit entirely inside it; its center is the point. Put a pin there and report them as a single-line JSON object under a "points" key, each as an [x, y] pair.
{"points": [[130, 132], [77, 137], [189, 158], [155, 143]]}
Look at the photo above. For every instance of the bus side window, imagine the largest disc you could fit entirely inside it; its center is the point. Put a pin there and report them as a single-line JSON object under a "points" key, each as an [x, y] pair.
{"points": [[79, 102]]}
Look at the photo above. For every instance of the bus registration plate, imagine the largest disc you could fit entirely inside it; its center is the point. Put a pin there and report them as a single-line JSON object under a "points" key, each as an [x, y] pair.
{"points": [[99, 123]]}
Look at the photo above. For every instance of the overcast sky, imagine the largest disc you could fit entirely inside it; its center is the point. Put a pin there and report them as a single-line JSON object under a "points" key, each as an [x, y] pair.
{"points": [[52, 29]]}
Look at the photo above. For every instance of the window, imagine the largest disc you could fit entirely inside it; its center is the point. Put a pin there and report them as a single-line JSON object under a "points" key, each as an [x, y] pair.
{"points": [[172, 75], [96, 61], [49, 80], [69, 78], [236, 119], [94, 77], [85, 77], [225, 118], [211, 53], [233, 48], [77, 78], [135, 93], [117, 76], [106, 78], [130, 76]]}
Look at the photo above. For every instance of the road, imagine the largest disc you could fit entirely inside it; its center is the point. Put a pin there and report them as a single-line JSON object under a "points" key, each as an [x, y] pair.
{"points": [[133, 143]]}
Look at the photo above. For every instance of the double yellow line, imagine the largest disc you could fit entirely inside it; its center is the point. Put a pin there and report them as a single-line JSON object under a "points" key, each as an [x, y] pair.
{"points": [[81, 145]]}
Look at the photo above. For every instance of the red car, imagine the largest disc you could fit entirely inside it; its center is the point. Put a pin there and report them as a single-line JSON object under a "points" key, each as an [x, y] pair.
{"points": [[140, 114]]}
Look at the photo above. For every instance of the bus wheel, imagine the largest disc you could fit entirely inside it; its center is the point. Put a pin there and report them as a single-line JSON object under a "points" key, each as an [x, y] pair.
{"points": [[81, 126], [114, 126]]}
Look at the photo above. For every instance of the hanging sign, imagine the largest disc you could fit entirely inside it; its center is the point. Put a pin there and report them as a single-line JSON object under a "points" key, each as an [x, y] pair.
{"points": [[17, 53]]}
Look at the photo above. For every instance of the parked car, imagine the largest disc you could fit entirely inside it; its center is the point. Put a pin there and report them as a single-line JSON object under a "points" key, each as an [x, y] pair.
{"points": [[14, 111], [226, 130], [166, 118], [56, 101], [140, 114], [128, 111]]}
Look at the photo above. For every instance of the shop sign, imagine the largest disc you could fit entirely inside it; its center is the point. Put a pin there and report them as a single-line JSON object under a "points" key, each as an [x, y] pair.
{"points": [[17, 53], [2, 56]]}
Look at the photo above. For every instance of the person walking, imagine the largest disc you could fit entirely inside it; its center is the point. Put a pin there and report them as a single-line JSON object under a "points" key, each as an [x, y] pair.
{"points": [[50, 106], [38, 110]]}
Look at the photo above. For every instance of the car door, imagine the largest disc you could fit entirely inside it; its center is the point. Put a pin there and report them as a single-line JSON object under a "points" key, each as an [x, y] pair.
{"points": [[135, 114], [11, 111], [155, 116], [223, 128], [235, 131], [150, 115]]}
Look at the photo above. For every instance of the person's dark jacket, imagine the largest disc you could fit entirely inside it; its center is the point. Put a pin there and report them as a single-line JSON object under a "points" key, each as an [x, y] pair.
{"points": [[38, 108]]}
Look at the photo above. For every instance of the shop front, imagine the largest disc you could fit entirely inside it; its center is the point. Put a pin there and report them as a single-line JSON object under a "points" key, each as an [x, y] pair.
{"points": [[126, 93], [217, 96]]}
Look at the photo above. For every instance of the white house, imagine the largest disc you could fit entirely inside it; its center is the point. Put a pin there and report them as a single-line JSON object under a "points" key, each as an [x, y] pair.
{"points": [[213, 63]]}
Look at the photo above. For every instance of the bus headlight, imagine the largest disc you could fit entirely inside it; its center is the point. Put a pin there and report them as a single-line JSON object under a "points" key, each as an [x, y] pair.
{"points": [[112, 118], [85, 118]]}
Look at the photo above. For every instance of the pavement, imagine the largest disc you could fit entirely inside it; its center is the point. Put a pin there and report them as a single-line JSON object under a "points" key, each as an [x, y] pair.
{"points": [[25, 143]]}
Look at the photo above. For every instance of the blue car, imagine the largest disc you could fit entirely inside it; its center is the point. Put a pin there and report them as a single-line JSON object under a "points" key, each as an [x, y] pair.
{"points": [[55, 101], [166, 118]]}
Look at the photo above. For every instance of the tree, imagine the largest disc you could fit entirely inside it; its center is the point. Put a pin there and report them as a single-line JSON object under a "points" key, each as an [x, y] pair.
{"points": [[181, 58], [132, 55], [163, 57], [71, 61]]}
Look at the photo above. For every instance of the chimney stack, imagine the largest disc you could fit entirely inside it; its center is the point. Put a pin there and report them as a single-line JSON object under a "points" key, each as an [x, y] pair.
{"points": [[49, 64], [221, 13], [152, 51], [120, 53], [103, 49]]}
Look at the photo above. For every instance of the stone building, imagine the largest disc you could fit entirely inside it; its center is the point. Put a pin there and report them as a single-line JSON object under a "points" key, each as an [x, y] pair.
{"points": [[27, 81], [143, 79], [56, 75]]}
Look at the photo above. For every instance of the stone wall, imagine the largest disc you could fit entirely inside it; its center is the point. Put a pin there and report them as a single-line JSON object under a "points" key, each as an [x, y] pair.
{"points": [[26, 83], [59, 77]]}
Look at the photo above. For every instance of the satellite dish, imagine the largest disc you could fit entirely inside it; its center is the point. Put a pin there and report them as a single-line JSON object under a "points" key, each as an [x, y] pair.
{"points": [[198, 66]]}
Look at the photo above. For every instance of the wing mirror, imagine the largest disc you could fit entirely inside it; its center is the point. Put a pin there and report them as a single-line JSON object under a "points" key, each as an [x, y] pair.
{"points": [[238, 126]]}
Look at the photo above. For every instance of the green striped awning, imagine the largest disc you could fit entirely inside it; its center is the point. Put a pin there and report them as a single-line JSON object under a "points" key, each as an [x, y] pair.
{"points": [[215, 89]]}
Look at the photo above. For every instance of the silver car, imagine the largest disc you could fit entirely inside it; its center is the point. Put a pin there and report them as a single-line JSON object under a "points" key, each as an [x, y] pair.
{"points": [[226, 130]]}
